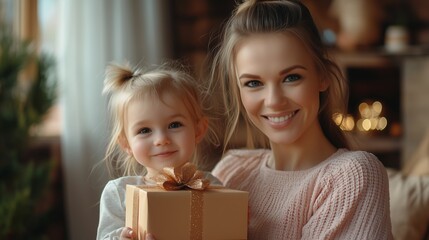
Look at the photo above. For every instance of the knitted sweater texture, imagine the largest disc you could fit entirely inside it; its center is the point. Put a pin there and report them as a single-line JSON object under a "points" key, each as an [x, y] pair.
{"points": [[344, 197]]}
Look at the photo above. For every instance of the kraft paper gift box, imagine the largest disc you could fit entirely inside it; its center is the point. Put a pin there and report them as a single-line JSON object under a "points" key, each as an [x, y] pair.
{"points": [[211, 214]]}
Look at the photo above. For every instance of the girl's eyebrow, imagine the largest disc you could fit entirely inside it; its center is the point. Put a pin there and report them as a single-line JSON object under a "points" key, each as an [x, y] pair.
{"points": [[138, 124], [145, 121], [288, 69], [177, 115]]}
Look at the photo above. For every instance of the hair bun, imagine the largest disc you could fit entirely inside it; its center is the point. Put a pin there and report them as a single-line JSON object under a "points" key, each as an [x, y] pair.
{"points": [[117, 76], [248, 3]]}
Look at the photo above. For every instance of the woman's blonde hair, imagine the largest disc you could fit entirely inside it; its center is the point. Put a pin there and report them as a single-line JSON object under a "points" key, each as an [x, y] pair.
{"points": [[256, 17], [124, 84]]}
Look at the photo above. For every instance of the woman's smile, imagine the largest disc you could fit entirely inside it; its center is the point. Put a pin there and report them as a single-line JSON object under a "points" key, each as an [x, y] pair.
{"points": [[279, 86], [280, 118]]}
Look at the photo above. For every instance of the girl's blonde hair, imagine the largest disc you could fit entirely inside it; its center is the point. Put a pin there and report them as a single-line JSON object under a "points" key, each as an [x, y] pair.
{"points": [[124, 84], [256, 17]]}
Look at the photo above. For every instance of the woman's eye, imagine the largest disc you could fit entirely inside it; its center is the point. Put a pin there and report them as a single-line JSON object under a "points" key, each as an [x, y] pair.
{"points": [[253, 83], [175, 125], [292, 78], [145, 131]]}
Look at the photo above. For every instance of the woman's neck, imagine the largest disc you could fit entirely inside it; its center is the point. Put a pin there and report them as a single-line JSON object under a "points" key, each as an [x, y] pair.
{"points": [[308, 151]]}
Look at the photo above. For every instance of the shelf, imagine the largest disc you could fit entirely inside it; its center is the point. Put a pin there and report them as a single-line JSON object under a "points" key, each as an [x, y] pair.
{"points": [[374, 144]]}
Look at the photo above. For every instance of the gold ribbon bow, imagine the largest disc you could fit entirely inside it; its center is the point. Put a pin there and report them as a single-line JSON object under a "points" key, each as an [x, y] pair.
{"points": [[184, 177]]}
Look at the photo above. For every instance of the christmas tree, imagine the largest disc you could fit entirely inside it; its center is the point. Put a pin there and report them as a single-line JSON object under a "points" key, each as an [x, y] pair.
{"points": [[24, 100]]}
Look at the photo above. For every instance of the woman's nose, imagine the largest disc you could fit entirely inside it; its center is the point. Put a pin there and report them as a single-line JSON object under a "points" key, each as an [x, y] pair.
{"points": [[161, 139], [274, 97]]}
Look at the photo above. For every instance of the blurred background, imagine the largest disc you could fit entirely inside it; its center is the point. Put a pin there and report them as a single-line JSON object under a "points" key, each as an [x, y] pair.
{"points": [[54, 126]]}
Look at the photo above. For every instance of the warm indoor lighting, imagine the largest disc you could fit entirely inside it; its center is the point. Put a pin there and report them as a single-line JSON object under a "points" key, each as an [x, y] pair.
{"points": [[346, 123], [366, 124], [377, 107], [382, 123], [370, 118], [364, 110]]}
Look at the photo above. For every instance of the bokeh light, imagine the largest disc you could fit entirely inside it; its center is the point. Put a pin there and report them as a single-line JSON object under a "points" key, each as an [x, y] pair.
{"points": [[370, 118]]}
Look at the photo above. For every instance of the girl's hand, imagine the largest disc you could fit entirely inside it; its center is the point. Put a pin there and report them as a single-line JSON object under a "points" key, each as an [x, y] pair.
{"points": [[127, 233], [148, 236]]}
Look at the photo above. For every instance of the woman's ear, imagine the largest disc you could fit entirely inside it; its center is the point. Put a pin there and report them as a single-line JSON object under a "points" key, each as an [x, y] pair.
{"points": [[324, 84], [201, 129], [123, 142]]}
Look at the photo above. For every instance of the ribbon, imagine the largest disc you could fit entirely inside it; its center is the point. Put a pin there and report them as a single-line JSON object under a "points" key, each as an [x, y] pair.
{"points": [[187, 177], [181, 178]]}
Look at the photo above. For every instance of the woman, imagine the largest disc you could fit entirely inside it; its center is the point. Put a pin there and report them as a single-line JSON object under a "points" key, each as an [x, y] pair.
{"points": [[275, 77]]}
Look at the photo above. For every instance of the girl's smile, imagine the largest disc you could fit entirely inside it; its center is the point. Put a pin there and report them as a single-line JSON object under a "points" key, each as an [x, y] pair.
{"points": [[164, 154], [161, 132]]}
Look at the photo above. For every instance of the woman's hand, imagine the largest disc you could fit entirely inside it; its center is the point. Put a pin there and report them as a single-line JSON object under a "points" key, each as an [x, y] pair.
{"points": [[128, 233]]}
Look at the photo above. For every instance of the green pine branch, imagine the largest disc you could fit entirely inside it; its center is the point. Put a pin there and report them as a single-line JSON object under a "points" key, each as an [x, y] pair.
{"points": [[23, 181]]}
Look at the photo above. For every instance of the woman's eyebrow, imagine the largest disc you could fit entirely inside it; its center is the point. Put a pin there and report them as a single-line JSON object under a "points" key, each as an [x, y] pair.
{"points": [[246, 75], [288, 69], [283, 71]]}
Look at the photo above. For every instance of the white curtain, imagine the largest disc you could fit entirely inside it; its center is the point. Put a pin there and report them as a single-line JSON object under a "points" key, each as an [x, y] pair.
{"points": [[92, 34]]}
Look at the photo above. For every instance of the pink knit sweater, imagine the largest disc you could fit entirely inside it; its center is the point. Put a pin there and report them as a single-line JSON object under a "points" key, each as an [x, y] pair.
{"points": [[344, 197]]}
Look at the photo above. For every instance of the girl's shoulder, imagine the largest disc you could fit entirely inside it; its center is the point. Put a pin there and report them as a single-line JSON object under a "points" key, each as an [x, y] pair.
{"points": [[132, 180], [213, 179], [122, 182]]}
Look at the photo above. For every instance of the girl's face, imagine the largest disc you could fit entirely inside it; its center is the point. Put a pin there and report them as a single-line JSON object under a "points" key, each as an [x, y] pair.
{"points": [[160, 132], [279, 86]]}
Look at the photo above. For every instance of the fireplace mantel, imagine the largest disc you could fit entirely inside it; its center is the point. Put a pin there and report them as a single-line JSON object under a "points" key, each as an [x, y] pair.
{"points": [[413, 66]]}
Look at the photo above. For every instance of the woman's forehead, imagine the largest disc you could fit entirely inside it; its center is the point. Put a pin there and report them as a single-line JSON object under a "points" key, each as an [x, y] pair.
{"points": [[267, 50]]}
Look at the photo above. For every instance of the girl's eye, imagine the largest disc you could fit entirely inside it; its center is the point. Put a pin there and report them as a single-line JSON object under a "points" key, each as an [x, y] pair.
{"points": [[253, 83], [145, 131], [175, 125], [292, 78]]}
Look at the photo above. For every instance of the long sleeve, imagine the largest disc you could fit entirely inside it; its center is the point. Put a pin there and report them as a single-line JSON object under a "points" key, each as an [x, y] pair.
{"points": [[344, 197], [112, 213], [112, 207], [352, 202]]}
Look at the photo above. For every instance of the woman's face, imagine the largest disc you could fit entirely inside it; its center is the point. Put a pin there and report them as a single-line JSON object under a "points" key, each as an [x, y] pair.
{"points": [[279, 86]]}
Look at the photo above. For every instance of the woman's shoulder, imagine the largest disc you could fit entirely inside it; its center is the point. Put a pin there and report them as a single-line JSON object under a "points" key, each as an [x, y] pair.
{"points": [[355, 159], [356, 164], [239, 161], [243, 157], [247, 152]]}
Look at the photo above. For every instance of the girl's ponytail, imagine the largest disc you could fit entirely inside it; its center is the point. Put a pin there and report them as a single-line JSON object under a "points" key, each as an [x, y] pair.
{"points": [[117, 77]]}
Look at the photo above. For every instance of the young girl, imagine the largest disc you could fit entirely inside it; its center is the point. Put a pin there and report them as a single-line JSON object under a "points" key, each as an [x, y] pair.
{"points": [[275, 76], [157, 122]]}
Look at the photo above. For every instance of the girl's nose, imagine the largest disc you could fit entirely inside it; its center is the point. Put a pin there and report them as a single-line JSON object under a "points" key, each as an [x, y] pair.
{"points": [[161, 139], [274, 97]]}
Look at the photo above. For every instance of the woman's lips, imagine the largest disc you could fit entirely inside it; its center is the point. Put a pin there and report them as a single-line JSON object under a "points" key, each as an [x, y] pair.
{"points": [[278, 119]]}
